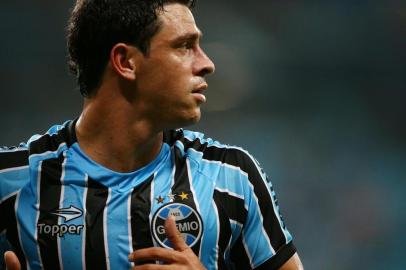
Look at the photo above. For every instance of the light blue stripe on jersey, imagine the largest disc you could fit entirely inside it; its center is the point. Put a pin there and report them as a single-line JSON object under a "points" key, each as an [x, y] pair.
{"points": [[161, 168], [203, 187], [213, 263], [73, 194], [162, 183], [117, 232], [259, 245], [12, 181], [28, 218], [209, 245]]}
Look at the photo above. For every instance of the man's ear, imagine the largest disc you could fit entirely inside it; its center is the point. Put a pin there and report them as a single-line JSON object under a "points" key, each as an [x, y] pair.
{"points": [[124, 60]]}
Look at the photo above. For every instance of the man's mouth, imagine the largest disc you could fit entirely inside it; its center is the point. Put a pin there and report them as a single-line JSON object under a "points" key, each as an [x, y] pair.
{"points": [[198, 92]]}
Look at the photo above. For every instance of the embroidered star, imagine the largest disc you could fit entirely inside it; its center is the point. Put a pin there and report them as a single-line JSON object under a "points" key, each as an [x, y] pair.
{"points": [[171, 197], [183, 196], [160, 199]]}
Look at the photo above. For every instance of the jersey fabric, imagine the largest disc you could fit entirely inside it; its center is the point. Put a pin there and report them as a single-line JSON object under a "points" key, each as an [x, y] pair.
{"points": [[61, 210]]}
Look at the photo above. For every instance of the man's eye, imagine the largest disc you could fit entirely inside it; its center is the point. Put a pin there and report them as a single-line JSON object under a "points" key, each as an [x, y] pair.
{"points": [[187, 45]]}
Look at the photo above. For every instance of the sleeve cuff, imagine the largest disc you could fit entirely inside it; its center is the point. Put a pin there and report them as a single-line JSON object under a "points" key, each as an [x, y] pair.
{"points": [[281, 256]]}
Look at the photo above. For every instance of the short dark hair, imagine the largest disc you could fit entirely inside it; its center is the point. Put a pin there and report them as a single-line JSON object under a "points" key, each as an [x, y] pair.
{"points": [[95, 26]]}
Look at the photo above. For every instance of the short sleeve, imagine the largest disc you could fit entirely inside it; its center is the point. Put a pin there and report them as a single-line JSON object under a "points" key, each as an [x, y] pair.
{"points": [[265, 240], [14, 174]]}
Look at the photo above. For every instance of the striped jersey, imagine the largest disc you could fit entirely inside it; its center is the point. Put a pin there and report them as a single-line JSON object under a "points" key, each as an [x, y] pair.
{"points": [[61, 210]]}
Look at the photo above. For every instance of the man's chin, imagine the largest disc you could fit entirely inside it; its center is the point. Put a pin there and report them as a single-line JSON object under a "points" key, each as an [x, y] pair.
{"points": [[193, 120], [190, 120]]}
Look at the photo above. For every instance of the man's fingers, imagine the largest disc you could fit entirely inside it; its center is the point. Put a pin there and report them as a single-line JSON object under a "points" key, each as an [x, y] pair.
{"points": [[152, 254], [174, 235], [11, 260], [153, 267]]}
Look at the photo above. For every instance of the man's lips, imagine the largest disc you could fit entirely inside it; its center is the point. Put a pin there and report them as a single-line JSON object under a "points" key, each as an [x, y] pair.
{"points": [[198, 92], [199, 89]]}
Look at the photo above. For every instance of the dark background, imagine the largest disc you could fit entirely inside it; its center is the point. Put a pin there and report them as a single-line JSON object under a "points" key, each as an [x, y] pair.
{"points": [[315, 90]]}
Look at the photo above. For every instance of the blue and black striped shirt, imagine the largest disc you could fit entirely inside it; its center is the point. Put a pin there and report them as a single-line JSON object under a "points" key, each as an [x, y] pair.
{"points": [[61, 210]]}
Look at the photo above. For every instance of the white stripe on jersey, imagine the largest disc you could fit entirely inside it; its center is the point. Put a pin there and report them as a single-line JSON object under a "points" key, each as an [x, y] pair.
{"points": [[261, 218], [84, 222], [194, 193], [8, 196], [232, 194], [61, 198], [130, 234], [38, 212], [216, 256], [105, 233], [52, 153], [14, 169], [19, 231]]}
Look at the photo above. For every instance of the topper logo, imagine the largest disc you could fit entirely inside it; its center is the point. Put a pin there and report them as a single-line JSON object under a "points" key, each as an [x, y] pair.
{"points": [[66, 214]]}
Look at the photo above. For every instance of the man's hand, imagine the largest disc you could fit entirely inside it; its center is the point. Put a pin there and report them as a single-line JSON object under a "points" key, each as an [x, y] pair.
{"points": [[180, 258], [11, 260]]}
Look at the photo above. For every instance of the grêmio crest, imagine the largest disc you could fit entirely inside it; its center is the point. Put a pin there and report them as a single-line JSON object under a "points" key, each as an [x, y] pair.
{"points": [[188, 222]]}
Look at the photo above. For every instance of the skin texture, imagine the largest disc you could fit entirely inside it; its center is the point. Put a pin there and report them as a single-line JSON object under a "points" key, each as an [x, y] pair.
{"points": [[140, 96], [293, 263], [11, 260]]}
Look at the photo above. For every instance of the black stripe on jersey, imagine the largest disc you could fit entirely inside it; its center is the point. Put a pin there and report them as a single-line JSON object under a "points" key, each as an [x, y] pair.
{"points": [[49, 142], [13, 159], [234, 206], [182, 185], [96, 199], [240, 159], [228, 207], [7, 209], [140, 210], [170, 136], [238, 256], [49, 198], [278, 260], [224, 230]]}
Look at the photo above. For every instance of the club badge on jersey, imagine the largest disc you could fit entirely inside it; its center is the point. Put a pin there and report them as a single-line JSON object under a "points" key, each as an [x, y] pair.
{"points": [[188, 222]]}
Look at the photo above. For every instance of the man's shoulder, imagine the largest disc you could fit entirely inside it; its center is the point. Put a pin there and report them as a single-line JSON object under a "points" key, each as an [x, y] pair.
{"points": [[188, 139], [13, 170], [211, 149], [56, 139], [17, 156], [13, 157]]}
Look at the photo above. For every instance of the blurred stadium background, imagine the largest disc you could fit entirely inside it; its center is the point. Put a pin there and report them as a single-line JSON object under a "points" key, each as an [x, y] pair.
{"points": [[316, 90]]}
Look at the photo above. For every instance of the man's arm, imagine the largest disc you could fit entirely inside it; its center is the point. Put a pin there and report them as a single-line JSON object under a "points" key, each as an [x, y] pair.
{"points": [[293, 263]]}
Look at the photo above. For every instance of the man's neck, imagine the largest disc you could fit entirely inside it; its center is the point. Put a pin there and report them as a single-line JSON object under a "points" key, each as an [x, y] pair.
{"points": [[114, 139]]}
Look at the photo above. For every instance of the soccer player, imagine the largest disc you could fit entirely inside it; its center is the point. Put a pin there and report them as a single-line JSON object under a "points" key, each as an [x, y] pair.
{"points": [[123, 186]]}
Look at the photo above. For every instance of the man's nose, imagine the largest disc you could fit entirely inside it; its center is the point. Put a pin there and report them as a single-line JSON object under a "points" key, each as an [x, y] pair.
{"points": [[204, 65]]}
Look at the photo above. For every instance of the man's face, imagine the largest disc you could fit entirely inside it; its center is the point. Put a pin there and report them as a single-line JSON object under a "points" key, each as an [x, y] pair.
{"points": [[170, 78]]}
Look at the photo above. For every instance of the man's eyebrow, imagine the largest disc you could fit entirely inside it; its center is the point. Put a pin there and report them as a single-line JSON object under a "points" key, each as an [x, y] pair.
{"points": [[189, 36]]}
